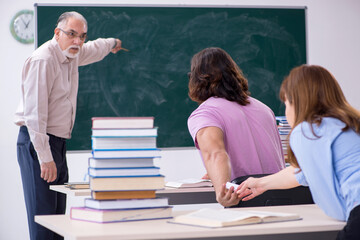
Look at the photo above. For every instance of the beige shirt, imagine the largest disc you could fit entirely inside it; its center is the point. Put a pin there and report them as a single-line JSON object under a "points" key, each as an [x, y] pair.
{"points": [[49, 90]]}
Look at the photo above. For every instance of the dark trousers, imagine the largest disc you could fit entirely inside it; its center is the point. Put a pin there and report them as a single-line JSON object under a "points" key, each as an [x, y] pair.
{"points": [[292, 196], [39, 199], [351, 231]]}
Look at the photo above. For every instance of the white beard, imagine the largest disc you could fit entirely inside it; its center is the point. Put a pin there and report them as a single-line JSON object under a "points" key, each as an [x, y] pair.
{"points": [[67, 53]]}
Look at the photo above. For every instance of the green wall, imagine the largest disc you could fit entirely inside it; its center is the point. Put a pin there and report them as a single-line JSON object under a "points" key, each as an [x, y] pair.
{"points": [[151, 79]]}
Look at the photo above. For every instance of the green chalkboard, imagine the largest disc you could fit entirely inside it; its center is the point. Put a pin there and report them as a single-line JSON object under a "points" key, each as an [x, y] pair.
{"points": [[151, 79]]}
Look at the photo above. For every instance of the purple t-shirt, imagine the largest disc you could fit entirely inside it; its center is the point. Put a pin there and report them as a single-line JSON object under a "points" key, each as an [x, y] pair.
{"points": [[251, 136]]}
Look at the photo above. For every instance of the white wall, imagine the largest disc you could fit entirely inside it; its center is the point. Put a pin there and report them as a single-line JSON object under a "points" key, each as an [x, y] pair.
{"points": [[333, 42]]}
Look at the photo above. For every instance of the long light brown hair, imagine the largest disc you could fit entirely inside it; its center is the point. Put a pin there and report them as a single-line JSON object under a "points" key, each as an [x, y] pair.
{"points": [[314, 93]]}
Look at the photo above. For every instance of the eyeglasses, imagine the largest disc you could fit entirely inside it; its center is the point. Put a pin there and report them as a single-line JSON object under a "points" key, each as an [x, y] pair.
{"points": [[72, 35]]}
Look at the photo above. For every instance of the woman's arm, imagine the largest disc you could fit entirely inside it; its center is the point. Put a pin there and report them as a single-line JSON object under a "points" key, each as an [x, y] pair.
{"points": [[253, 187]]}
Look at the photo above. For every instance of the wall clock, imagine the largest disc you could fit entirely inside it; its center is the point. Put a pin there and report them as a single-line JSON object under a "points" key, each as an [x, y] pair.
{"points": [[22, 26]]}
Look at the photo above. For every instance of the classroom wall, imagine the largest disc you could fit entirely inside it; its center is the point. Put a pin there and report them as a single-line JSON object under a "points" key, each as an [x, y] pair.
{"points": [[333, 42]]}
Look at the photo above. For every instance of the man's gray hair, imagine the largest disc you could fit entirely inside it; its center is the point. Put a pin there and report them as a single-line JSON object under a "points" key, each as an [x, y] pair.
{"points": [[63, 19]]}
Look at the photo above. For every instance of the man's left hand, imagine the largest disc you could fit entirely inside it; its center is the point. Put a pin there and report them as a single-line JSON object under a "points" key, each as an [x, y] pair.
{"points": [[48, 171]]}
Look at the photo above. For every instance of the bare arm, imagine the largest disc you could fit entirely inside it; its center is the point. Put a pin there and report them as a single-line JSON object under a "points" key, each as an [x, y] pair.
{"points": [[253, 187], [217, 163]]}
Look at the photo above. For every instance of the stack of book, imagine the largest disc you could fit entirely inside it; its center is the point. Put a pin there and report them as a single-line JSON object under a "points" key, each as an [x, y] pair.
{"points": [[122, 175], [284, 130]]}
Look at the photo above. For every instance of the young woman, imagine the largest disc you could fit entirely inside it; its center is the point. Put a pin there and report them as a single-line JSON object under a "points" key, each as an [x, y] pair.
{"points": [[236, 134], [324, 147]]}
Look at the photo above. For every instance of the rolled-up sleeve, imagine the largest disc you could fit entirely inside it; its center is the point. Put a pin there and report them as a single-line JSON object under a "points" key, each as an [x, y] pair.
{"points": [[300, 177]]}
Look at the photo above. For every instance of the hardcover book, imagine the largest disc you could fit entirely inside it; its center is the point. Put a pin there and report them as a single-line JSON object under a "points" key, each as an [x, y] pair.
{"points": [[126, 153], [126, 203], [123, 142], [77, 185], [108, 216], [126, 183], [125, 132], [122, 122], [119, 172], [103, 195], [120, 162]]}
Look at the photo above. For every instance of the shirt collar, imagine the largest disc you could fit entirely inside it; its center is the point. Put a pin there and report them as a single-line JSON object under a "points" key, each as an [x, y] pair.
{"points": [[58, 52]]}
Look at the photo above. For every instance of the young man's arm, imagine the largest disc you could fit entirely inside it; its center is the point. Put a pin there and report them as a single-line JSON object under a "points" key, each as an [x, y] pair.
{"points": [[217, 163]]}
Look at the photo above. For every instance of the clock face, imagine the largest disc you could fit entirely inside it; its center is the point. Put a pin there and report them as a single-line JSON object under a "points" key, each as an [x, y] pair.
{"points": [[22, 26]]}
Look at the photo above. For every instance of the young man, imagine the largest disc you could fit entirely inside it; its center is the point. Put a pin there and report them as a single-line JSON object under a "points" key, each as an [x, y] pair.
{"points": [[236, 134]]}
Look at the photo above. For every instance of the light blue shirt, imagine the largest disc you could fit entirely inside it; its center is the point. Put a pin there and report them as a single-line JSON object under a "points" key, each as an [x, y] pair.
{"points": [[330, 165]]}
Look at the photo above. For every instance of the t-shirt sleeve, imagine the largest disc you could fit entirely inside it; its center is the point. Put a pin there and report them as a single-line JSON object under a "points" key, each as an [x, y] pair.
{"points": [[201, 118]]}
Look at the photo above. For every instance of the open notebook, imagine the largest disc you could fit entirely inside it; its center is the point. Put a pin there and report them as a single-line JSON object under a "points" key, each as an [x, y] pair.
{"points": [[189, 183]]}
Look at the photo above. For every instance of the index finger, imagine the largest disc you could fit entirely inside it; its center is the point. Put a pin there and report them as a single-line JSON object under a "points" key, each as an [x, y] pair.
{"points": [[242, 187]]}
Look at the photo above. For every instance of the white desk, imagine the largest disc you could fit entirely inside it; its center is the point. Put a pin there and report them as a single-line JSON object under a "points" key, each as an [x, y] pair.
{"points": [[315, 225], [176, 195]]}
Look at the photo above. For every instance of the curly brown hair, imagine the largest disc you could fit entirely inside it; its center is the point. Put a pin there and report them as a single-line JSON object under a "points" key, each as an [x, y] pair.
{"points": [[215, 74]]}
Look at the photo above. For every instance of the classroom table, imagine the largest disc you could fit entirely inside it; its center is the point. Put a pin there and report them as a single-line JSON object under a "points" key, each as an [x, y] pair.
{"points": [[314, 225], [176, 196]]}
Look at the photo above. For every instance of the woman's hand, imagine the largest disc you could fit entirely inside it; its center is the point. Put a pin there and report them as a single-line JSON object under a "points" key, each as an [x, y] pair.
{"points": [[250, 188]]}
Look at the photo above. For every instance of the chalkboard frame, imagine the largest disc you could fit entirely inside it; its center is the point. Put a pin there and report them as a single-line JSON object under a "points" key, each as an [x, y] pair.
{"points": [[189, 142]]}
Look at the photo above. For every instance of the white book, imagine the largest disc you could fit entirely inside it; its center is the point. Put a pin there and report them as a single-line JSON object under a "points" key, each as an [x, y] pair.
{"points": [[189, 183], [117, 172], [123, 142], [120, 162], [284, 137], [214, 218], [122, 122], [126, 132], [126, 203], [122, 153]]}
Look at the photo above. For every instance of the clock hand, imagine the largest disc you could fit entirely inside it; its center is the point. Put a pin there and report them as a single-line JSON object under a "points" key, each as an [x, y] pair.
{"points": [[23, 22]]}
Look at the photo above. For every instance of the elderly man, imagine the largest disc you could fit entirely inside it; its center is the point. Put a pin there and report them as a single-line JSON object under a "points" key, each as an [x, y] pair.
{"points": [[46, 114]]}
